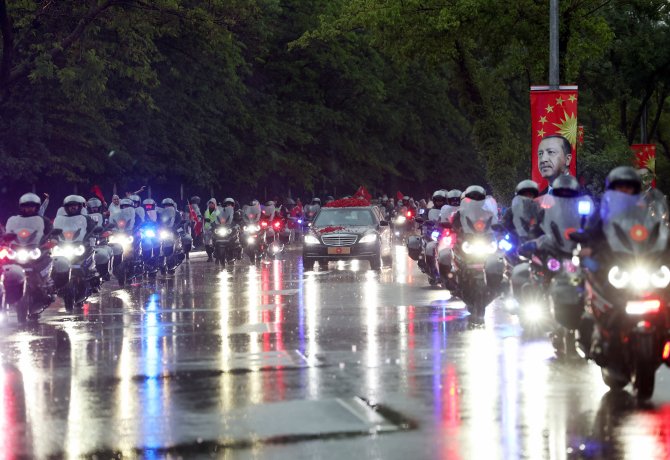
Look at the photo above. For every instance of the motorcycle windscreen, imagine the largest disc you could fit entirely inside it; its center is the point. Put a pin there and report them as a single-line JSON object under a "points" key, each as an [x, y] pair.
{"points": [[73, 227], [168, 216], [152, 215], [123, 219], [526, 216], [226, 215], [635, 224], [561, 218], [251, 214], [97, 217], [29, 231], [447, 212], [140, 213], [269, 211], [477, 217], [434, 215]]}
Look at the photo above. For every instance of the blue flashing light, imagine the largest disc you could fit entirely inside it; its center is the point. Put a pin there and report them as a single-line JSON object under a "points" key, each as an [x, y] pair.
{"points": [[584, 208], [149, 233], [435, 235], [505, 244]]}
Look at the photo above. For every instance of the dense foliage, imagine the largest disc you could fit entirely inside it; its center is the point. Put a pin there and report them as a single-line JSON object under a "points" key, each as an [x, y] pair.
{"points": [[259, 96]]}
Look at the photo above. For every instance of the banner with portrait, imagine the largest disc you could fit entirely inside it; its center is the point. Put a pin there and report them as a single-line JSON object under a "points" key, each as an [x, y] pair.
{"points": [[555, 133], [645, 163]]}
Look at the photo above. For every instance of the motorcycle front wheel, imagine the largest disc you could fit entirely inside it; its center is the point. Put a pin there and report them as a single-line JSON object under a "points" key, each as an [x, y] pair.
{"points": [[644, 370], [23, 307]]}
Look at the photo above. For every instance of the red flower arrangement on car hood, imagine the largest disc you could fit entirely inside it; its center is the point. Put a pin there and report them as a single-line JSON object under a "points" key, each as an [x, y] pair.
{"points": [[330, 229], [348, 203]]}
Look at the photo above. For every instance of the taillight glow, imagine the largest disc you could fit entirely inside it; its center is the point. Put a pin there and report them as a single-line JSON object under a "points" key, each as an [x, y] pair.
{"points": [[666, 351], [264, 224], [643, 307], [4, 253], [409, 214], [277, 224]]}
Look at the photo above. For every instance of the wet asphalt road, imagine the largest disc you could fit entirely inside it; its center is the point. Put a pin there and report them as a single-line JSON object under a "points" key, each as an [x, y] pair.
{"points": [[274, 362]]}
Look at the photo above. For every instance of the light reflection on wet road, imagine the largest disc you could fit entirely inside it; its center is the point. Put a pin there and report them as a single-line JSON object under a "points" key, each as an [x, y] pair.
{"points": [[266, 362]]}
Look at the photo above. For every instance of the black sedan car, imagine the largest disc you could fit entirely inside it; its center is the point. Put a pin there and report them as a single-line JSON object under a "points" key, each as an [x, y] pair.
{"points": [[348, 233]]}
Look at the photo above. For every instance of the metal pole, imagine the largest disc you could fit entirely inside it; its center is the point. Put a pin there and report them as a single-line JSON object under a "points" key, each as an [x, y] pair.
{"points": [[643, 125], [554, 70]]}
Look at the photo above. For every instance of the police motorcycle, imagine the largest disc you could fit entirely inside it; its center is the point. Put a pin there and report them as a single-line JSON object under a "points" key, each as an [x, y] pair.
{"points": [[463, 267], [271, 226], [127, 261], [555, 280], [173, 237], [292, 223], [403, 222], [252, 242], [104, 253], [28, 284], [76, 246], [151, 247], [226, 236], [140, 213], [627, 278], [180, 224], [423, 249]]}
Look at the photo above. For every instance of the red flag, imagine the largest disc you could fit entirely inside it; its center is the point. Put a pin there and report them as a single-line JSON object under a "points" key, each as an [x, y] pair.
{"points": [[645, 158], [362, 193], [97, 191], [197, 228], [399, 196], [553, 113]]}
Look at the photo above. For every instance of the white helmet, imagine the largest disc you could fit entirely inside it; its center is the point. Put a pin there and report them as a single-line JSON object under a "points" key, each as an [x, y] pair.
{"points": [[169, 202], [30, 198], [136, 200], [439, 194], [475, 192], [229, 200], [74, 199], [125, 202]]}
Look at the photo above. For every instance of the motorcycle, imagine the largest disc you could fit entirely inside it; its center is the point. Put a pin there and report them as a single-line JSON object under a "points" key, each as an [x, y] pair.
{"points": [[171, 239], [74, 247], [151, 248], [423, 249], [465, 267], [126, 261], [25, 269], [227, 247], [272, 246], [626, 290], [403, 224]]}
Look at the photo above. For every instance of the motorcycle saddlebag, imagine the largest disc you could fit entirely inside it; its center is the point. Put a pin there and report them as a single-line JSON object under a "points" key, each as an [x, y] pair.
{"points": [[414, 247]]}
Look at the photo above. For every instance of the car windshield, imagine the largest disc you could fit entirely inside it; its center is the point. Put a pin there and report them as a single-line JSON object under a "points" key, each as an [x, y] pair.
{"points": [[344, 217]]}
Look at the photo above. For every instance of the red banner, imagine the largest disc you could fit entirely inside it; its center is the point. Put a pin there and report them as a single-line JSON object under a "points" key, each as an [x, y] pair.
{"points": [[645, 162], [553, 115]]}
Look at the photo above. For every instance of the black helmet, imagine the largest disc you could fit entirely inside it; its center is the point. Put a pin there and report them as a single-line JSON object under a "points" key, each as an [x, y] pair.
{"points": [[527, 186], [624, 175], [565, 186], [475, 192]]}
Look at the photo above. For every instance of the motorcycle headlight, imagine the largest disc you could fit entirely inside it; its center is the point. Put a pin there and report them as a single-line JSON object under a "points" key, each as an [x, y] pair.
{"points": [[400, 219], [311, 239], [123, 240], [149, 233], [479, 247], [165, 235], [661, 278], [371, 238], [222, 231], [618, 278], [7, 253], [252, 228]]}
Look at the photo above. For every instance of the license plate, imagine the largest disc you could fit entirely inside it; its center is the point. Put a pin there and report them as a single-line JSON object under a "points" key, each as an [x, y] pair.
{"points": [[337, 251]]}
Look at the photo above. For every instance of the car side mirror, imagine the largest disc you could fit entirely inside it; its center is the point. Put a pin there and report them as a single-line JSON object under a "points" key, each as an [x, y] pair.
{"points": [[383, 223]]}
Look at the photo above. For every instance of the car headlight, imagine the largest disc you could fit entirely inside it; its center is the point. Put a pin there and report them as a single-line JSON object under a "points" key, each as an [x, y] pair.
{"points": [[165, 235], [311, 239], [479, 247], [222, 231], [371, 238], [400, 219]]}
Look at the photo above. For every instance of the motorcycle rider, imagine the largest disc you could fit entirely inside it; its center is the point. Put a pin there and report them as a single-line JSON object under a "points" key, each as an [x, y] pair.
{"points": [[150, 209], [453, 203], [212, 216], [94, 208], [29, 206], [313, 208], [139, 210], [525, 193], [228, 212], [439, 199]]}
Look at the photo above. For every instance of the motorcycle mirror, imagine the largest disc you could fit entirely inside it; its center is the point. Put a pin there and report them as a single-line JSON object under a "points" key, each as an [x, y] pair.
{"points": [[579, 237], [446, 225], [497, 227]]}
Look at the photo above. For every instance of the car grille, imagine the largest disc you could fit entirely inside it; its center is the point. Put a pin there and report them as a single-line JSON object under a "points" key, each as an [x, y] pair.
{"points": [[339, 240]]}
